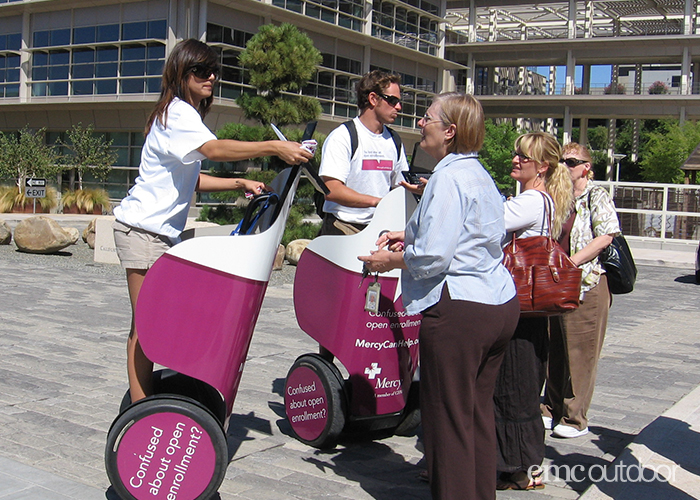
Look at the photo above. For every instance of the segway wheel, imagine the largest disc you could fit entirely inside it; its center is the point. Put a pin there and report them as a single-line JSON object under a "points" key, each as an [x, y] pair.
{"points": [[315, 401], [166, 447], [411, 417]]}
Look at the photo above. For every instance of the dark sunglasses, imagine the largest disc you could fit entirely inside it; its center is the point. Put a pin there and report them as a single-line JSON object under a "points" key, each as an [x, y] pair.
{"points": [[572, 162], [204, 72], [521, 156], [391, 99]]}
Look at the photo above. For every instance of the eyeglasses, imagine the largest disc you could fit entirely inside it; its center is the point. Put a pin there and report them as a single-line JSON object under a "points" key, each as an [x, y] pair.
{"points": [[391, 99], [427, 119], [521, 156], [573, 162], [204, 72]]}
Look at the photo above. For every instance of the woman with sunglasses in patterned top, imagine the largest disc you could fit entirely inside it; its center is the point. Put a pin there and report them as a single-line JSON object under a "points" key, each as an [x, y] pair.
{"points": [[152, 216], [576, 338]]}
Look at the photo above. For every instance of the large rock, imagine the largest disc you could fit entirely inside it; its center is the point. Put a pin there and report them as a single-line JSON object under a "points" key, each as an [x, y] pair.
{"points": [[89, 234], [5, 233], [294, 250], [43, 235]]}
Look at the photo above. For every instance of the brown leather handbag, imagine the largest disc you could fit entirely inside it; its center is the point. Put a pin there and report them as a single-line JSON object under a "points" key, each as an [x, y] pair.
{"points": [[547, 281]]}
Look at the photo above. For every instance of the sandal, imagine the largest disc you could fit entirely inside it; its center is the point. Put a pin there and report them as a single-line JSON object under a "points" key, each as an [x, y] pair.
{"points": [[519, 481]]}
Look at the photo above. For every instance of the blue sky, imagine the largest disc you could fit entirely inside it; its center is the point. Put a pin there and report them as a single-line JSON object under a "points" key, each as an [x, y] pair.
{"points": [[600, 75]]}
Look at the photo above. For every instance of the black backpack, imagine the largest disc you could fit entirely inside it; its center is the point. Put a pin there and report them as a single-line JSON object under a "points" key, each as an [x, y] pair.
{"points": [[319, 198]]}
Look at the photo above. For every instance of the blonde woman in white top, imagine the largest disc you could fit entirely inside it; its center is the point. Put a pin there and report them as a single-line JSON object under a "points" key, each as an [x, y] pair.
{"points": [[546, 193]]}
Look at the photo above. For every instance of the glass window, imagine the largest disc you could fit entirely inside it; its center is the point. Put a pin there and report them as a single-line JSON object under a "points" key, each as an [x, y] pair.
{"points": [[60, 37], [132, 86], [58, 88], [83, 71], [105, 70], [106, 86], [84, 35], [107, 54], [40, 58], [135, 31], [41, 39], [133, 68], [83, 56], [215, 33], [133, 52], [153, 85], [84, 87], [156, 51], [157, 29], [39, 73], [14, 41], [108, 33]]}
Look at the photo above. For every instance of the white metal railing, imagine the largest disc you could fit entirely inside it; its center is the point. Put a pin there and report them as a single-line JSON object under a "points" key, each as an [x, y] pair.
{"points": [[663, 212]]}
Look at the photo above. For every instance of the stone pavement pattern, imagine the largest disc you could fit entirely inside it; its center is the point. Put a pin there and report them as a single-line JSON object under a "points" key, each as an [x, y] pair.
{"points": [[62, 345]]}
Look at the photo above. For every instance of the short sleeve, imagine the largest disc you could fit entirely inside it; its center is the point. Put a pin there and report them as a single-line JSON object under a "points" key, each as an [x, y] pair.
{"points": [[335, 158], [188, 132], [603, 214]]}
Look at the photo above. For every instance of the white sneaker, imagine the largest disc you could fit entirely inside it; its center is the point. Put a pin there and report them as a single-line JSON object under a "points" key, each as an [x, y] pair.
{"points": [[567, 431], [547, 421]]}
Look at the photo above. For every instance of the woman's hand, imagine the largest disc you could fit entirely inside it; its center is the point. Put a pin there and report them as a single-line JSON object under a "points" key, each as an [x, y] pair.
{"points": [[381, 261], [292, 153], [391, 240], [255, 187]]}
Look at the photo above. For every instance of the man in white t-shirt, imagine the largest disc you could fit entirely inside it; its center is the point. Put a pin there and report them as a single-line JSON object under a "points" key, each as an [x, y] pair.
{"points": [[360, 171]]}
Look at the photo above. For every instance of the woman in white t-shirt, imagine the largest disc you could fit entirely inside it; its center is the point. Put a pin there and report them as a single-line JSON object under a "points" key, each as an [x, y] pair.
{"points": [[152, 216], [545, 190]]}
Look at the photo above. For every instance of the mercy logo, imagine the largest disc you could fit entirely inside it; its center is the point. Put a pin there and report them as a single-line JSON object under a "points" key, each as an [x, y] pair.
{"points": [[373, 371]]}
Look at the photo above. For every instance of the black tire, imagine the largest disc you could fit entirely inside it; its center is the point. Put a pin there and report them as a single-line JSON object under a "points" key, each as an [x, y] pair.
{"points": [[411, 416], [207, 474], [168, 381], [332, 390]]}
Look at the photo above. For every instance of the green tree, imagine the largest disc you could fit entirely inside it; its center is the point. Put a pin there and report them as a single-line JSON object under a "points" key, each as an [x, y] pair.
{"points": [[25, 155], [496, 154], [89, 152], [667, 149], [280, 61]]}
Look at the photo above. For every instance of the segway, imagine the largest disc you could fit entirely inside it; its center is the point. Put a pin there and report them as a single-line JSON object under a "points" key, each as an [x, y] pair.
{"points": [[377, 347], [195, 315]]}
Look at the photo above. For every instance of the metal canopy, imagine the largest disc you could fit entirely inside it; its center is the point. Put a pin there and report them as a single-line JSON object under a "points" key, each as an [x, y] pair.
{"points": [[502, 20]]}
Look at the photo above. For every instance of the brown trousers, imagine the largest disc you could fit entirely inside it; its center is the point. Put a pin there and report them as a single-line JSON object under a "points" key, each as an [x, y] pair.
{"points": [[575, 342], [334, 226], [461, 348]]}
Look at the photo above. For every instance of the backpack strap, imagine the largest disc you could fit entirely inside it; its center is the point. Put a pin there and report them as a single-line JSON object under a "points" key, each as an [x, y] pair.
{"points": [[350, 125], [352, 129], [397, 142]]}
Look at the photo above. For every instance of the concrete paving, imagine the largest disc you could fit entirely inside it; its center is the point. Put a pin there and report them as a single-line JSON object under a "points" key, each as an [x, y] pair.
{"points": [[62, 338]]}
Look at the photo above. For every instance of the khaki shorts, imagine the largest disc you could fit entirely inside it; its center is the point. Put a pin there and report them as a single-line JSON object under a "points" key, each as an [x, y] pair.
{"points": [[137, 248]]}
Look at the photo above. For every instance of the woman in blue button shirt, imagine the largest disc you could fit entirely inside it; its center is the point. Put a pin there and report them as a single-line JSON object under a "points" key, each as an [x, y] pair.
{"points": [[451, 255]]}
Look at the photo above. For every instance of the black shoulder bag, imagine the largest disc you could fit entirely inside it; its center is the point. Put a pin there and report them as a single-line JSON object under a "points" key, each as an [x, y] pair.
{"points": [[618, 262]]}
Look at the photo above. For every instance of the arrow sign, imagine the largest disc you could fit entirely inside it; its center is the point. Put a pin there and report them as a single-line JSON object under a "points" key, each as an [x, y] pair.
{"points": [[35, 182]]}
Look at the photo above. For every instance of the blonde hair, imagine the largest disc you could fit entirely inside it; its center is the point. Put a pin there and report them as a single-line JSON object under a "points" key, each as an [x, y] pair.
{"points": [[582, 152], [545, 149], [466, 113]]}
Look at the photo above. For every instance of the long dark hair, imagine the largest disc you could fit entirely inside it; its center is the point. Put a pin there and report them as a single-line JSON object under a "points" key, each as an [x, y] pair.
{"points": [[184, 57]]}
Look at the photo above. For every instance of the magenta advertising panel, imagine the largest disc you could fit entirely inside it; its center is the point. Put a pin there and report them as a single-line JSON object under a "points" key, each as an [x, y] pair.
{"points": [[379, 350], [306, 402], [166, 456]]}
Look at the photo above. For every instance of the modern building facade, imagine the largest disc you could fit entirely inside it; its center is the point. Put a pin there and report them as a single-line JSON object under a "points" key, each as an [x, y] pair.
{"points": [[64, 62]]}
